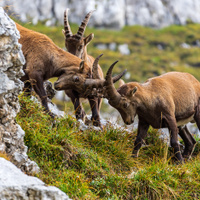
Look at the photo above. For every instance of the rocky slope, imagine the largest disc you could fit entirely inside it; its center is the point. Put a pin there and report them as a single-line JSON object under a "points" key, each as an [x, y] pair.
{"points": [[109, 13], [13, 183]]}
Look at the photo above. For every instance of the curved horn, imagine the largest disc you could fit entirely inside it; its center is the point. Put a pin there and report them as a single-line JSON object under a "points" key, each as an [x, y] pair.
{"points": [[94, 83], [95, 72], [83, 25], [117, 77], [67, 28], [112, 94]]}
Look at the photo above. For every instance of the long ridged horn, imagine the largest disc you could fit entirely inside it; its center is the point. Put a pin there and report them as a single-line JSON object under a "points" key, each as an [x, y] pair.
{"points": [[111, 93], [99, 83], [67, 28], [83, 25], [95, 72], [117, 77]]}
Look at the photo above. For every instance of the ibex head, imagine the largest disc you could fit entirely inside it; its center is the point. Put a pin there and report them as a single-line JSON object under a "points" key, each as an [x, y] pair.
{"points": [[124, 99], [76, 44], [73, 78]]}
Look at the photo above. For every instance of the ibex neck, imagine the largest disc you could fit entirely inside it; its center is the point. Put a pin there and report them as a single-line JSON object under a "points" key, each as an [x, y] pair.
{"points": [[64, 60]]}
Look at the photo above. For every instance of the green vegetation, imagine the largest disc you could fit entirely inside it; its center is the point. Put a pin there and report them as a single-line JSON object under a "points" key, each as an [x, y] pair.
{"points": [[98, 165]]}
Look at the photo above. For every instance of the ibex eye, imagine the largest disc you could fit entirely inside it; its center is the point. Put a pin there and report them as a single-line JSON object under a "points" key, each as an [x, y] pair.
{"points": [[76, 79], [125, 105]]}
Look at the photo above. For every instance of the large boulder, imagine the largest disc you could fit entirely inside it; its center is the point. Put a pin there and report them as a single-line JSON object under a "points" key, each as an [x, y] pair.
{"points": [[14, 184]]}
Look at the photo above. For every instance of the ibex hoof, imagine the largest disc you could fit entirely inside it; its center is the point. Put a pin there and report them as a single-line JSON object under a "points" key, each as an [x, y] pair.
{"points": [[135, 153]]}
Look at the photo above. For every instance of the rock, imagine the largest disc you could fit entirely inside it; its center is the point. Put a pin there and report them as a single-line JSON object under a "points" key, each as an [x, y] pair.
{"points": [[11, 61], [109, 13], [112, 46], [14, 184], [123, 49], [101, 46]]}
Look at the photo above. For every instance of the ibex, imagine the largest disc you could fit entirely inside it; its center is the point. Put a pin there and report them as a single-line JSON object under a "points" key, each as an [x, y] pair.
{"points": [[45, 60], [77, 45], [167, 101]]}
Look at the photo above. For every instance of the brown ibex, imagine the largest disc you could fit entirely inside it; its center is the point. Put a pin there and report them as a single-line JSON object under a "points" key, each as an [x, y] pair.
{"points": [[167, 101], [77, 45], [45, 60]]}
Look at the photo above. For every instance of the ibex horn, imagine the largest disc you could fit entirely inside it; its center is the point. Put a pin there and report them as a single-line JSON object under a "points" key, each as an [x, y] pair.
{"points": [[95, 72], [67, 28], [98, 83], [111, 92], [83, 25]]}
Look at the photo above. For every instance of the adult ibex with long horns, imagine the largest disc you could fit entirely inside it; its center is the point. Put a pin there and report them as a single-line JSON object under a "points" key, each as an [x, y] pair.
{"points": [[167, 101], [77, 45]]}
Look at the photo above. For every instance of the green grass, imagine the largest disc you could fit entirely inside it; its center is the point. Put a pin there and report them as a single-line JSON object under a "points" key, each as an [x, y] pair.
{"points": [[98, 165]]}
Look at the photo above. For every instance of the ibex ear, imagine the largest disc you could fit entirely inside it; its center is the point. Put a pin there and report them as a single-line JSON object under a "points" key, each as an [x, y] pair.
{"points": [[88, 39], [132, 92], [81, 67], [63, 31]]}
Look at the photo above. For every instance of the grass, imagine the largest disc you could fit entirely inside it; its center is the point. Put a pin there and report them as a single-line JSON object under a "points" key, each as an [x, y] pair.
{"points": [[98, 165]]}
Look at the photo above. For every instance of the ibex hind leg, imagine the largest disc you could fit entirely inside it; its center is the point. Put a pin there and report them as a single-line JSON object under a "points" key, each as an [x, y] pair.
{"points": [[27, 85], [189, 141], [38, 86], [197, 115]]}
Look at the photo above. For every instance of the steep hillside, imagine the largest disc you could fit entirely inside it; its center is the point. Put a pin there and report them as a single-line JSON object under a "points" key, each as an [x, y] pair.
{"points": [[97, 164]]}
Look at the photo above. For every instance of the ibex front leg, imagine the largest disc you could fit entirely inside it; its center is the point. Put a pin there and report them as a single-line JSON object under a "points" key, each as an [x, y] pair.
{"points": [[79, 112], [94, 105], [142, 132], [189, 141]]}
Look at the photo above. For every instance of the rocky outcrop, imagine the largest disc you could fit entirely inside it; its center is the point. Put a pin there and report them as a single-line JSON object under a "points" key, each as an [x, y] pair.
{"points": [[14, 184], [109, 13], [11, 61]]}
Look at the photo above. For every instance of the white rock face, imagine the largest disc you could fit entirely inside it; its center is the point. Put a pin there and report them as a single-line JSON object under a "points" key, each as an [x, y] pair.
{"points": [[109, 13], [123, 49], [14, 184], [11, 61]]}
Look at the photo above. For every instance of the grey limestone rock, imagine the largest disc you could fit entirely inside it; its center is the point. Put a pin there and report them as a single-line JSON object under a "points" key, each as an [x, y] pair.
{"points": [[14, 184], [11, 61], [109, 13]]}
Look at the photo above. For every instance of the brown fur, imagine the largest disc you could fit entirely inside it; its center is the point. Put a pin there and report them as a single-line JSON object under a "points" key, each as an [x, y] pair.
{"points": [[170, 100], [45, 60], [78, 47]]}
